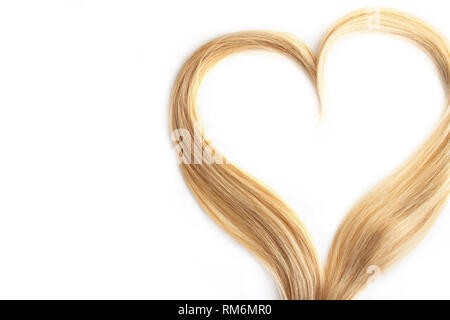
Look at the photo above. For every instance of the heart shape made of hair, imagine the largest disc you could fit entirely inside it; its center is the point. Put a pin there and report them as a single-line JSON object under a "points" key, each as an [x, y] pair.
{"points": [[377, 231]]}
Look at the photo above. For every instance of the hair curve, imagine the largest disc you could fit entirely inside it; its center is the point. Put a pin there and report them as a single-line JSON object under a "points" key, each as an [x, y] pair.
{"points": [[383, 226]]}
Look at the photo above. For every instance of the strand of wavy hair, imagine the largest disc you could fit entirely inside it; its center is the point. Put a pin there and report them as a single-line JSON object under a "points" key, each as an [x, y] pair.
{"points": [[378, 230]]}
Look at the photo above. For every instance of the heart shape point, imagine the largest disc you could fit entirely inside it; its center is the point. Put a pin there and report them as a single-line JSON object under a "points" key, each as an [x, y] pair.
{"points": [[377, 231]]}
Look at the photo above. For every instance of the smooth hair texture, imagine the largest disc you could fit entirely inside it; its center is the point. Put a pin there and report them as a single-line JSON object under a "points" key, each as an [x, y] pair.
{"points": [[383, 226]]}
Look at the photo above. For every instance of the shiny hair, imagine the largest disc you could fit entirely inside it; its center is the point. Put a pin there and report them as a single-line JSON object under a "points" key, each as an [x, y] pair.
{"points": [[384, 225]]}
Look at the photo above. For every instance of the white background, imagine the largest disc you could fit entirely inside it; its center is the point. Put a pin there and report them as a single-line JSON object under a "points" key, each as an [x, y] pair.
{"points": [[92, 203]]}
